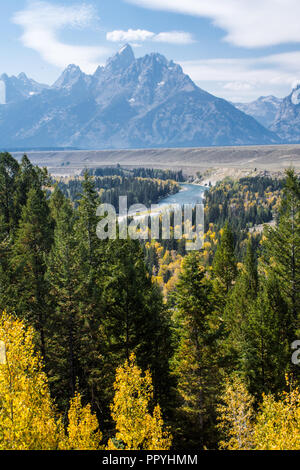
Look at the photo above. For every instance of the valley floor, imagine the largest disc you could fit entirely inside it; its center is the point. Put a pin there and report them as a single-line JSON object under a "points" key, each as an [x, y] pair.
{"points": [[218, 161]]}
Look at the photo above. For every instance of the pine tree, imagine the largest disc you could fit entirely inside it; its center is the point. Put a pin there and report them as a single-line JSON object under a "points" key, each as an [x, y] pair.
{"points": [[56, 202], [265, 352], [92, 262], [9, 169], [195, 362], [282, 249], [135, 317], [63, 274], [28, 295], [224, 265], [28, 177], [239, 305]]}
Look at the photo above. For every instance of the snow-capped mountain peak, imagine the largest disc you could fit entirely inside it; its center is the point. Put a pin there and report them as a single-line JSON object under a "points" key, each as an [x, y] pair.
{"points": [[122, 60], [287, 122], [295, 96], [16, 89], [69, 77], [129, 103]]}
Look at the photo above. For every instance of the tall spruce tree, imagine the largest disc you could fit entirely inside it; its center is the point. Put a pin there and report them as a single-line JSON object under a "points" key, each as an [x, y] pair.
{"points": [[91, 259], [239, 305], [28, 293], [282, 250], [28, 177], [224, 264], [136, 320], [63, 272], [265, 352], [9, 169], [195, 361], [56, 203]]}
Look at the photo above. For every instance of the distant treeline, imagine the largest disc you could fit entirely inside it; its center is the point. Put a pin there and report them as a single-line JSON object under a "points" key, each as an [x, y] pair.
{"points": [[139, 173], [244, 203], [138, 190]]}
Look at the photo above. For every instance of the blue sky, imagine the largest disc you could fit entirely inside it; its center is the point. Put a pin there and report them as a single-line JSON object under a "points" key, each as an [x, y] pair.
{"points": [[236, 49]]}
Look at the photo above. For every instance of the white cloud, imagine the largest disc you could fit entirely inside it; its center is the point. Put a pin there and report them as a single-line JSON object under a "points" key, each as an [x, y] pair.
{"points": [[41, 23], [130, 35], [248, 23], [246, 79], [141, 35], [174, 37]]}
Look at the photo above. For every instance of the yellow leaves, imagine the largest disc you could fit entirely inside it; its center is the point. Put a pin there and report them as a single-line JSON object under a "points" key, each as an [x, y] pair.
{"points": [[240, 266], [160, 251], [206, 245], [236, 416], [136, 428], [27, 418], [83, 428], [158, 439], [166, 258], [278, 422], [166, 276], [275, 427]]}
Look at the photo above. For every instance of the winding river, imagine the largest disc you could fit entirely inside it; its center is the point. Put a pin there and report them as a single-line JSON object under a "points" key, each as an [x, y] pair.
{"points": [[189, 194]]}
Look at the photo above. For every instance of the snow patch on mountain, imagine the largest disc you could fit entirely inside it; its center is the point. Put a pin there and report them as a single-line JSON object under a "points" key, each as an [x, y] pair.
{"points": [[287, 122], [295, 98]]}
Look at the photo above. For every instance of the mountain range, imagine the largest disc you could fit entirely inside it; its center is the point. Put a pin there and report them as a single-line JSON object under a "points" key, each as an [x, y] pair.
{"points": [[281, 116], [264, 109], [130, 102], [287, 121]]}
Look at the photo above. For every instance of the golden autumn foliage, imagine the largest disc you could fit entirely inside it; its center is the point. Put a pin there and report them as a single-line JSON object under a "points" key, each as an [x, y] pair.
{"points": [[275, 426], [28, 418], [83, 428], [137, 428], [236, 417], [278, 422]]}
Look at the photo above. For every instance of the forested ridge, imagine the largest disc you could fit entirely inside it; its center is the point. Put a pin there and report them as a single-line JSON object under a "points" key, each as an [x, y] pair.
{"points": [[121, 344]]}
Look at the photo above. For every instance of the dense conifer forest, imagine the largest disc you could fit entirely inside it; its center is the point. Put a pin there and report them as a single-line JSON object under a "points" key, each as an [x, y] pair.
{"points": [[139, 190], [123, 344]]}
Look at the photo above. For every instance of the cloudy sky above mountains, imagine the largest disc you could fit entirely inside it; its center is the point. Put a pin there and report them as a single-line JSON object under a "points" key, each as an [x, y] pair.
{"points": [[236, 49]]}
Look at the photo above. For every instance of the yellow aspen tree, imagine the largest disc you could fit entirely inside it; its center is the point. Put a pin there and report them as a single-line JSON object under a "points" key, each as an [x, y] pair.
{"points": [[235, 416], [278, 422], [83, 428], [158, 438], [27, 415], [137, 428]]}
